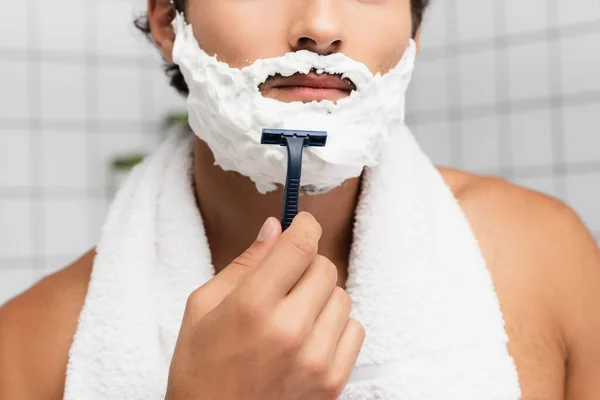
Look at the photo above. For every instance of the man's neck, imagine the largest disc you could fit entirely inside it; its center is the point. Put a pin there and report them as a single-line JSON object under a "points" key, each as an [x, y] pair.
{"points": [[233, 212]]}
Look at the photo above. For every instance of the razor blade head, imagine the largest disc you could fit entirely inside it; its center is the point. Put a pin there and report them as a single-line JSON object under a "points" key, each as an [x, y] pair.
{"points": [[277, 136]]}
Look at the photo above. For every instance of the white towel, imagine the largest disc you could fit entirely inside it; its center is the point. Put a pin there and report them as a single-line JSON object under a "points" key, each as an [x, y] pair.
{"points": [[417, 280]]}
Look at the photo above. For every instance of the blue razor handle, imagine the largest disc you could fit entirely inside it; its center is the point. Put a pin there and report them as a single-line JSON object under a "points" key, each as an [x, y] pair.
{"points": [[295, 142]]}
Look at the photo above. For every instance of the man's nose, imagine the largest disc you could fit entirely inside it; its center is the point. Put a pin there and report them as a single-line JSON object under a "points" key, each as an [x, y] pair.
{"points": [[317, 26]]}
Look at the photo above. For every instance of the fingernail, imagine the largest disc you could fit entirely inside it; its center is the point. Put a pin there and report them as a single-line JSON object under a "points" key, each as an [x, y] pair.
{"points": [[266, 230]]}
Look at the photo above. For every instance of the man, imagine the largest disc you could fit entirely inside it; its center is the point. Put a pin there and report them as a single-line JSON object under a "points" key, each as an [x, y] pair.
{"points": [[544, 263]]}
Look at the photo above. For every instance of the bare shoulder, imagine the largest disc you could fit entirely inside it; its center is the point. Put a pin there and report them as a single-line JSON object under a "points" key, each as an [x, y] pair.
{"points": [[545, 265], [36, 331]]}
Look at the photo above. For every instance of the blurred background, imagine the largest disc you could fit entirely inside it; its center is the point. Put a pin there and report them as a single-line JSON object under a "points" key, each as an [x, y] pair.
{"points": [[508, 88]]}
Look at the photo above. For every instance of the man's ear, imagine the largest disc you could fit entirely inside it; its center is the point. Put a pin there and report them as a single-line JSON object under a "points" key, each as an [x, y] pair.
{"points": [[160, 15]]}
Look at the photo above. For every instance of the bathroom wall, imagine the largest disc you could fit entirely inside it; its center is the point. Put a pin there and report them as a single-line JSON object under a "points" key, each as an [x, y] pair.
{"points": [[508, 88], [77, 86], [512, 88]]}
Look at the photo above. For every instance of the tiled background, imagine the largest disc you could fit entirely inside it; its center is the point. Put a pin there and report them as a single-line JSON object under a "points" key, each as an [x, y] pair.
{"points": [[506, 87], [512, 88], [78, 85]]}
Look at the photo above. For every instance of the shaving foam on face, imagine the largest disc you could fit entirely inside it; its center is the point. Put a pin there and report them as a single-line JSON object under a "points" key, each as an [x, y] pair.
{"points": [[227, 110]]}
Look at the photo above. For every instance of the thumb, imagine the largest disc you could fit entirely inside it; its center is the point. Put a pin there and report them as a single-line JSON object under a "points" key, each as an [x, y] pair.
{"points": [[212, 293], [249, 259]]}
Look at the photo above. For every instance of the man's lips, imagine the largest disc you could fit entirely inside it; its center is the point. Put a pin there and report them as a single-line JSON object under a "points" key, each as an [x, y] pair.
{"points": [[308, 87], [313, 80]]}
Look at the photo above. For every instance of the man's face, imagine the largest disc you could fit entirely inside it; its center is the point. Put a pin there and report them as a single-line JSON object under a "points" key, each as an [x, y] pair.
{"points": [[374, 32]]}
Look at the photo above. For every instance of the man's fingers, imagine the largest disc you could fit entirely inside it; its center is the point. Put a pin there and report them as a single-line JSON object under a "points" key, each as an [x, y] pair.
{"points": [[313, 290], [246, 262], [212, 293], [346, 354], [287, 261]]}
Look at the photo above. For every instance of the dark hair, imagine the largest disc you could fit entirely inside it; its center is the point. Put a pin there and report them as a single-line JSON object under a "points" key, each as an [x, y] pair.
{"points": [[176, 77]]}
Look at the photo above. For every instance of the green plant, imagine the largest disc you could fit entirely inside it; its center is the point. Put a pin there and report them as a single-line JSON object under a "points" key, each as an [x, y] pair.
{"points": [[127, 161], [175, 118]]}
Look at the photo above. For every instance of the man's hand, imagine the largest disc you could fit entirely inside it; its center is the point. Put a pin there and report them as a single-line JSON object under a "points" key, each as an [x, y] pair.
{"points": [[272, 325]]}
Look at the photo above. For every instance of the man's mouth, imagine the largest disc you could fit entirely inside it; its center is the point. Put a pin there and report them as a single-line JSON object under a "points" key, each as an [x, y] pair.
{"points": [[307, 87]]}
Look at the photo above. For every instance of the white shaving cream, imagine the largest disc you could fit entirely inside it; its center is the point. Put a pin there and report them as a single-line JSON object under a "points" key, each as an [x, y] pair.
{"points": [[228, 111]]}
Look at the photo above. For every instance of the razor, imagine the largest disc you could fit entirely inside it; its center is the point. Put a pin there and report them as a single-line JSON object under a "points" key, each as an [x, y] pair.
{"points": [[295, 141]]}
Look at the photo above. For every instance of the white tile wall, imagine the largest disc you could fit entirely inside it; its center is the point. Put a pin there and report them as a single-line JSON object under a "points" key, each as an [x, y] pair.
{"points": [[433, 96], [15, 93], [523, 80], [482, 134], [475, 19], [531, 139], [66, 226], [63, 90], [63, 164], [476, 78], [528, 71], [61, 31], [583, 141], [14, 28], [98, 209], [14, 158], [436, 140], [16, 233], [114, 31], [79, 85], [118, 93], [580, 64], [437, 20], [526, 16], [572, 13], [161, 100]]}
